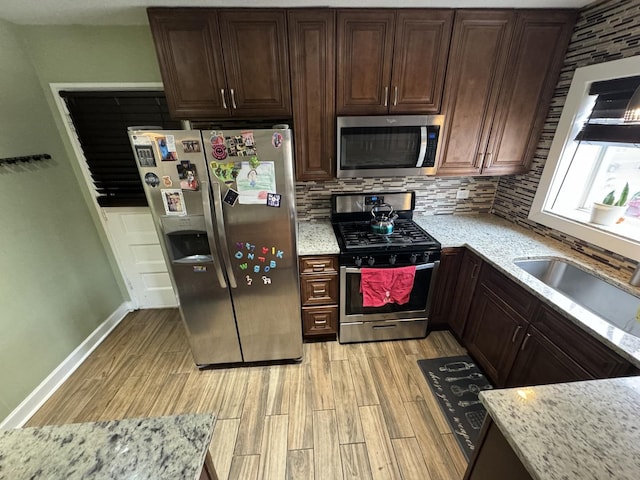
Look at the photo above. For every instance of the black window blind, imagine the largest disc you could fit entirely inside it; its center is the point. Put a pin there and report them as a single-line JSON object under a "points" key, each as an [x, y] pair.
{"points": [[101, 120], [606, 120]]}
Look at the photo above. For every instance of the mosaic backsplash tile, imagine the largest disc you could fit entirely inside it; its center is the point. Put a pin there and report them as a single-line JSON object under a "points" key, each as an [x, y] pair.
{"points": [[434, 196], [606, 31]]}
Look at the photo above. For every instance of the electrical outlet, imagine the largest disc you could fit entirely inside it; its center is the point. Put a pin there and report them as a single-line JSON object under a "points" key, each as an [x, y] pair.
{"points": [[461, 194]]}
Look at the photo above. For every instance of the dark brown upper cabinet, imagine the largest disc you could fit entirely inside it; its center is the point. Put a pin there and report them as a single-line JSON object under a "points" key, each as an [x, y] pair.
{"points": [[503, 68], [312, 55], [219, 63], [391, 61]]}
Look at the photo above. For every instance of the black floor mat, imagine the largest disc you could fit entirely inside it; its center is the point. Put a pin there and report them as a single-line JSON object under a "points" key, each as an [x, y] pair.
{"points": [[456, 383]]}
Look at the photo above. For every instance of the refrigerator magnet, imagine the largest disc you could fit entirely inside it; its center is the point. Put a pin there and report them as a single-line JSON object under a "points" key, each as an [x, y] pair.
{"points": [[219, 151], [231, 197], [274, 200], [167, 146], [145, 156], [173, 201], [217, 138], [166, 181], [188, 176], [152, 180], [199, 269], [276, 140], [140, 140], [190, 146]]}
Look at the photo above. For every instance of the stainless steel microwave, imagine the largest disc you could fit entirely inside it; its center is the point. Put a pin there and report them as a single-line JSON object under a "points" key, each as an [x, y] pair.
{"points": [[388, 146]]}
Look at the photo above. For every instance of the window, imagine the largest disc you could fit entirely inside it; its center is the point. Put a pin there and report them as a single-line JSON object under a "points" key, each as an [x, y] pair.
{"points": [[594, 152], [100, 119]]}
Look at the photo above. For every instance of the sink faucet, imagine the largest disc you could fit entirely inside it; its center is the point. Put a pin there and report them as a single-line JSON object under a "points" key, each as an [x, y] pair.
{"points": [[635, 277]]}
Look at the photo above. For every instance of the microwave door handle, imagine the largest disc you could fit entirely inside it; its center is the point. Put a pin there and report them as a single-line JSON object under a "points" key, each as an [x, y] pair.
{"points": [[423, 146], [222, 235], [206, 208]]}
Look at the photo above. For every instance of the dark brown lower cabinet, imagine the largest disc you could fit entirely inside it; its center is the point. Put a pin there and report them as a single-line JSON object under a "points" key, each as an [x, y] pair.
{"points": [[463, 295], [319, 297], [445, 288], [495, 458], [493, 335], [540, 362], [518, 340]]}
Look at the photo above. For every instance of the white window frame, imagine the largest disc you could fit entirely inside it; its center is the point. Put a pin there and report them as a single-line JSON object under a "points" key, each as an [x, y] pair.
{"points": [[577, 107]]}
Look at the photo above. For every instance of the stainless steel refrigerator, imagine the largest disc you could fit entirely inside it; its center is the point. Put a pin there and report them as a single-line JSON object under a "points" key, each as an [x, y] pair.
{"points": [[223, 204]]}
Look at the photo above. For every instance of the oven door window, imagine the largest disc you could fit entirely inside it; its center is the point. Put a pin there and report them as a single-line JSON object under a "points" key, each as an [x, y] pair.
{"points": [[417, 300], [379, 147]]}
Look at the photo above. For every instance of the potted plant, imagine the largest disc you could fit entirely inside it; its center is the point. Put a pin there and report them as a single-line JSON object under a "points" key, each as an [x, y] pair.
{"points": [[611, 209]]}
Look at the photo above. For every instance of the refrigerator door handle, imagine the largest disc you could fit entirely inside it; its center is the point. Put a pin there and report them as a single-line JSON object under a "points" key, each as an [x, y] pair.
{"points": [[206, 208], [222, 235]]}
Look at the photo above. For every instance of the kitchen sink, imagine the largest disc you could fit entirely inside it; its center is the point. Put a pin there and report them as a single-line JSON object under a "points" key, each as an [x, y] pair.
{"points": [[609, 302]]}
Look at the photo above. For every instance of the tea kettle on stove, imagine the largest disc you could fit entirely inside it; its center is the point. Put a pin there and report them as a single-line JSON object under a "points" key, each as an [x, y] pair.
{"points": [[382, 219]]}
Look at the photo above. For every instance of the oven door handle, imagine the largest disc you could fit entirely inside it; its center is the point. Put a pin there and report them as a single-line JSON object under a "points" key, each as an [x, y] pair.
{"points": [[423, 266], [422, 153]]}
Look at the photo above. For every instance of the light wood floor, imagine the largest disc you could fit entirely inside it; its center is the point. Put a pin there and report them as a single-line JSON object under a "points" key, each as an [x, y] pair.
{"points": [[359, 411]]}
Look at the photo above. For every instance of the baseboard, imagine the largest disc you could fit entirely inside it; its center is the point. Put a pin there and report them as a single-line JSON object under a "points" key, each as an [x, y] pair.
{"points": [[49, 385]]}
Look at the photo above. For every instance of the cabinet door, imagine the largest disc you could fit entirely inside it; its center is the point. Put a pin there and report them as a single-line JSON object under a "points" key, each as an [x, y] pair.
{"points": [[445, 287], [536, 56], [256, 61], [493, 335], [476, 64], [190, 58], [311, 51], [540, 362], [465, 288], [365, 49], [420, 53]]}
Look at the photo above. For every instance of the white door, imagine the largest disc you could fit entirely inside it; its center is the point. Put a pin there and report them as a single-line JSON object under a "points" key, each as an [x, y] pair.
{"points": [[135, 243]]}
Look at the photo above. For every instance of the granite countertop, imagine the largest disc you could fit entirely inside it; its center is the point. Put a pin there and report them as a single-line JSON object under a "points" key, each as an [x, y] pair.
{"points": [[572, 431], [143, 448], [500, 242]]}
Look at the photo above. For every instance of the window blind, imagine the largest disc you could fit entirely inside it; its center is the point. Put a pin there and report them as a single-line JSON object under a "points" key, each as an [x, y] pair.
{"points": [[606, 121], [101, 119]]}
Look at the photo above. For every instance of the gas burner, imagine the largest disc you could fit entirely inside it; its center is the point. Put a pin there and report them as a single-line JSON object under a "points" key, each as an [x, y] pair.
{"points": [[406, 233]]}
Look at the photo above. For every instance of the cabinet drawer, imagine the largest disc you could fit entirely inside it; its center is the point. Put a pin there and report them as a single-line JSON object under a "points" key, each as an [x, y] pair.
{"points": [[319, 320], [318, 265], [319, 289], [588, 352], [510, 292]]}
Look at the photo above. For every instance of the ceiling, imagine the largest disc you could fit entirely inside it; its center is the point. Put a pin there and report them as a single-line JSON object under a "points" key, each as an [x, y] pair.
{"points": [[132, 12]]}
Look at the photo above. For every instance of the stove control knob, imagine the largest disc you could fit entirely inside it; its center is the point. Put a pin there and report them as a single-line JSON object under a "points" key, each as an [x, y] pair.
{"points": [[425, 257], [371, 261], [413, 258], [357, 261], [392, 260]]}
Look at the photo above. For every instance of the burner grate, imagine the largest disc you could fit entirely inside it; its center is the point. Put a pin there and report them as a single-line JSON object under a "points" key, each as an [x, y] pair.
{"points": [[406, 233]]}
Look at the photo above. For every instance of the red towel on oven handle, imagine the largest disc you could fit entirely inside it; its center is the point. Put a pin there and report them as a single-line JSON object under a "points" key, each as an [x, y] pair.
{"points": [[380, 286]]}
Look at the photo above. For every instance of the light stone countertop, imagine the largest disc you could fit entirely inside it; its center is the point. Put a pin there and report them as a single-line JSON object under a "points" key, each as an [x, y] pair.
{"points": [[317, 238], [572, 431], [143, 448], [500, 242]]}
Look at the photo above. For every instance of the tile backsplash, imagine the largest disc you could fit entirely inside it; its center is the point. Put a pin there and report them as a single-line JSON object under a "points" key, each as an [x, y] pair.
{"points": [[605, 31], [434, 196]]}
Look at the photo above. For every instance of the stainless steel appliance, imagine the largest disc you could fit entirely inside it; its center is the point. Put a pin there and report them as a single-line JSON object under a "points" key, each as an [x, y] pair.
{"points": [[388, 146], [224, 208], [361, 248]]}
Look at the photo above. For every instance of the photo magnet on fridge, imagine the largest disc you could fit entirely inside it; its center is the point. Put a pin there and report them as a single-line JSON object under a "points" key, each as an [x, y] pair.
{"points": [[274, 200], [231, 197], [188, 176], [167, 146], [145, 155], [173, 201], [190, 146]]}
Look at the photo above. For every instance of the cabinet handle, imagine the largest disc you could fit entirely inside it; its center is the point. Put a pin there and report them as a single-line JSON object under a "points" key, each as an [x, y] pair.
{"points": [[474, 272], [487, 157], [224, 101], [386, 96], [481, 160], [319, 291], [320, 322], [318, 267], [515, 334], [395, 95], [233, 99], [524, 344]]}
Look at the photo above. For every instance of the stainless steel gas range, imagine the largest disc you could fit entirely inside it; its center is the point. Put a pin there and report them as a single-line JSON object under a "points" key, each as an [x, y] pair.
{"points": [[386, 280]]}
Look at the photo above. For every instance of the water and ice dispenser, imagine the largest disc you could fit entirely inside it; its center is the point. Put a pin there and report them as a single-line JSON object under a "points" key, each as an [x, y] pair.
{"points": [[186, 239]]}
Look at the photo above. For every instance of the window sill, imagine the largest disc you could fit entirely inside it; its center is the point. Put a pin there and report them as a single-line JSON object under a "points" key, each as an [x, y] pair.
{"points": [[620, 238]]}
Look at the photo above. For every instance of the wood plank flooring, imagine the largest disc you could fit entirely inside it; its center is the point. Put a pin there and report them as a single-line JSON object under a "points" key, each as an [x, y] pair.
{"points": [[359, 411]]}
